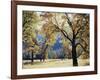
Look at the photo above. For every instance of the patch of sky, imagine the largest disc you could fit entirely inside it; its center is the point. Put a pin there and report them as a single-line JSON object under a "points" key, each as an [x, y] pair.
{"points": [[40, 39], [58, 44]]}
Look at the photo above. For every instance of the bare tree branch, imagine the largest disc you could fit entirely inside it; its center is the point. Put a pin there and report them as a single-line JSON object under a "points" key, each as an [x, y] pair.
{"points": [[68, 20], [77, 31], [66, 35], [63, 32], [84, 48], [56, 21]]}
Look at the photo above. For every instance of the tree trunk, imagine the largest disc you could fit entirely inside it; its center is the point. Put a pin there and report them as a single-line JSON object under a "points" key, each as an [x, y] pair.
{"points": [[44, 52], [74, 55], [32, 59]]}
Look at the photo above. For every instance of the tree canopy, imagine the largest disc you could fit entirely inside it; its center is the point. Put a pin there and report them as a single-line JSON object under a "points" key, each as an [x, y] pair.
{"points": [[43, 29]]}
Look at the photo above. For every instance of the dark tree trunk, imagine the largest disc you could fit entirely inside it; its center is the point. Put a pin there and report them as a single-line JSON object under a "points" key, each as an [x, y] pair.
{"points": [[74, 54], [43, 52], [32, 59]]}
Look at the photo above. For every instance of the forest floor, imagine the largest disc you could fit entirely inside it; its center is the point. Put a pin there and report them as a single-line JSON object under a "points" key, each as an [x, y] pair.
{"points": [[51, 63]]}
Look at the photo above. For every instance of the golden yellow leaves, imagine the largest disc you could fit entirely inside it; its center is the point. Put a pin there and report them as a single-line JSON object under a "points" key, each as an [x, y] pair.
{"points": [[35, 49]]}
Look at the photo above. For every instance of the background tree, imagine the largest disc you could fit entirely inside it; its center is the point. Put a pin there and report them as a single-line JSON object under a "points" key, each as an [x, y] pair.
{"points": [[30, 21], [34, 25], [48, 31]]}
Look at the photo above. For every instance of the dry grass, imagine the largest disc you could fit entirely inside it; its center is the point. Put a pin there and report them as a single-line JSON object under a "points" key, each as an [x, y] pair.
{"points": [[51, 63]]}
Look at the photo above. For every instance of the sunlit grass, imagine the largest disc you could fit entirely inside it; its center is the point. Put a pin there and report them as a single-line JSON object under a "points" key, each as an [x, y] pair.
{"points": [[51, 63]]}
